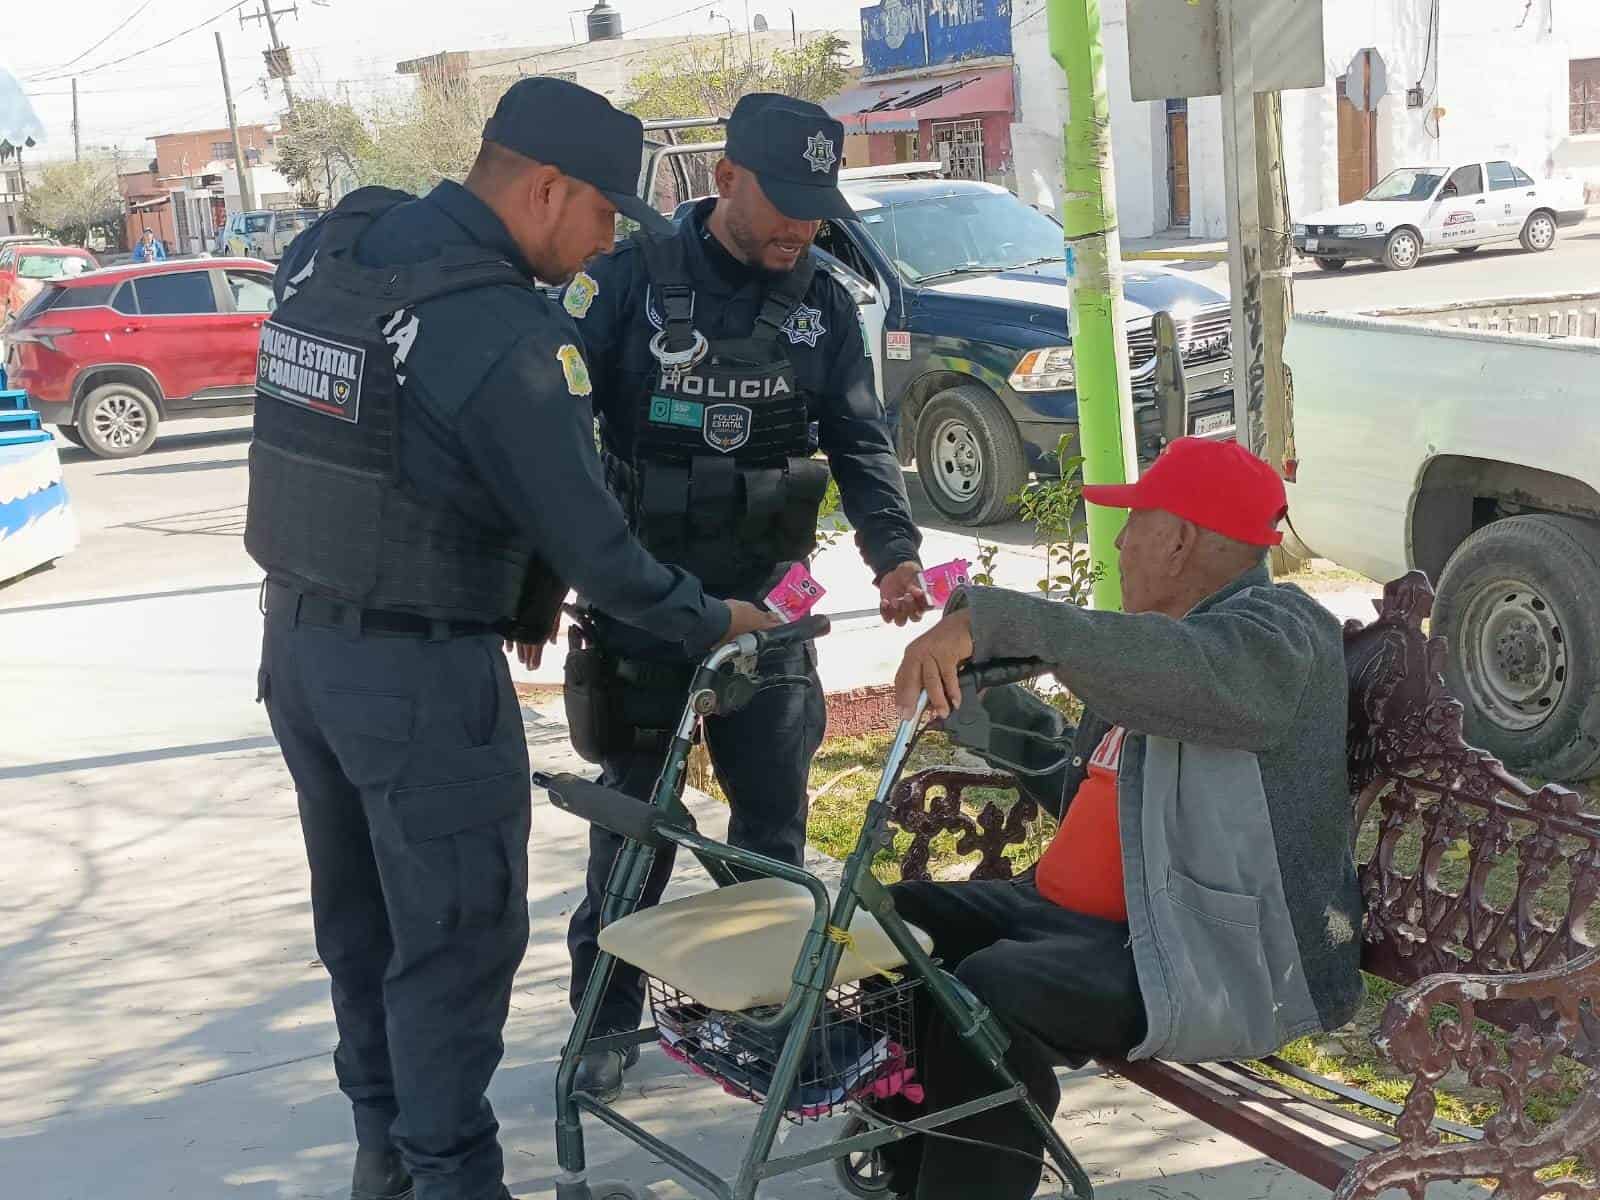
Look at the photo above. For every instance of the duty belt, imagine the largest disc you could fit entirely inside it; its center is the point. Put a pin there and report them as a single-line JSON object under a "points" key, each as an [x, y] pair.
{"points": [[305, 608]]}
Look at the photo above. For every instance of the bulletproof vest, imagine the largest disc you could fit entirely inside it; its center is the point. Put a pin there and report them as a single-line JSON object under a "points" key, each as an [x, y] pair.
{"points": [[722, 480], [327, 511]]}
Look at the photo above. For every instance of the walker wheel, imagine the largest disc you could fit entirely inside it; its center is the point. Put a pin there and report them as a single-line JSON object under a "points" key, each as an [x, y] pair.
{"points": [[619, 1191], [862, 1173]]}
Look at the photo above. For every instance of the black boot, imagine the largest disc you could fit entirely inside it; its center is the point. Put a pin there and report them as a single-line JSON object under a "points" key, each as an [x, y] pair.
{"points": [[379, 1175], [600, 1072]]}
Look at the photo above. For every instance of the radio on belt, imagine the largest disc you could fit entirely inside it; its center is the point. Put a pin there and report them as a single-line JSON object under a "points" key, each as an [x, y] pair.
{"points": [[796, 594]]}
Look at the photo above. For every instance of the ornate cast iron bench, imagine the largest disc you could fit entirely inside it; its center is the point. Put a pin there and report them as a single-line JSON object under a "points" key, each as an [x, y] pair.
{"points": [[1434, 820]]}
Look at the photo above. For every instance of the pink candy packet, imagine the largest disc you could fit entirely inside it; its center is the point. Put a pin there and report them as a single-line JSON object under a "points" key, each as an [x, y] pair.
{"points": [[942, 581], [796, 594]]}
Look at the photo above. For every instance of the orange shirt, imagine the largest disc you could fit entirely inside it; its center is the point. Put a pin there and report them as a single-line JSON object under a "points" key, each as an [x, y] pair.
{"points": [[1082, 868]]}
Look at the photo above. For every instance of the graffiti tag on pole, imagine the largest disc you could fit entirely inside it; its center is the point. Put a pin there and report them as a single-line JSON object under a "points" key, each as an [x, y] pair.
{"points": [[1255, 379]]}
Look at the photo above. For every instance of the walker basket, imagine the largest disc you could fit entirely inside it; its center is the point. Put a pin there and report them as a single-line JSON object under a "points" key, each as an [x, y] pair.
{"points": [[862, 1046]]}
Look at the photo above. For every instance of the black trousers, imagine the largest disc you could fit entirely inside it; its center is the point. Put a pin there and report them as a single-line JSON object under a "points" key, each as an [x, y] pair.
{"points": [[762, 755], [411, 768], [1064, 987]]}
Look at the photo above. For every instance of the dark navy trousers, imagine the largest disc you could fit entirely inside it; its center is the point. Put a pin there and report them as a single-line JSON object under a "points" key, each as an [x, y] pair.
{"points": [[411, 768], [762, 755]]}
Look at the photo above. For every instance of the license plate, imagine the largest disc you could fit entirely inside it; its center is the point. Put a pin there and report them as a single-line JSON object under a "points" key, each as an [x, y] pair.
{"points": [[1313, 245], [1221, 422]]}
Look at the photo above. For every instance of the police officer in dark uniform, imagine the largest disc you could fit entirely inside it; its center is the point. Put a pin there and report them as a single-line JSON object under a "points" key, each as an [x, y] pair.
{"points": [[423, 483], [722, 359]]}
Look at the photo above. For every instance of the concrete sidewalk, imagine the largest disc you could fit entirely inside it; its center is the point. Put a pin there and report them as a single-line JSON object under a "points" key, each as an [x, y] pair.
{"points": [[166, 1022]]}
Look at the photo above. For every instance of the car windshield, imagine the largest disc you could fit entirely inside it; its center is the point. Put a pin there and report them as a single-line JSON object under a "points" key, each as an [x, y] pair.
{"points": [[960, 233], [52, 266], [1408, 183], [257, 224]]}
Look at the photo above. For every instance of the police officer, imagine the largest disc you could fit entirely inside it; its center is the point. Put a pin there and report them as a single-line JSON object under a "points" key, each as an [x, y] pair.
{"points": [[722, 358], [423, 481]]}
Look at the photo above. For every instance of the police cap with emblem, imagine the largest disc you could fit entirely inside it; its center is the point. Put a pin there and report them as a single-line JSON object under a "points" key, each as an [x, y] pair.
{"points": [[577, 131], [794, 149]]}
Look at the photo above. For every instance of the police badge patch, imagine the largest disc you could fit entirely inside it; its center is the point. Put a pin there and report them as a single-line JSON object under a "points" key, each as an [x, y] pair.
{"points": [[819, 152], [580, 295], [575, 370], [804, 325], [727, 426]]}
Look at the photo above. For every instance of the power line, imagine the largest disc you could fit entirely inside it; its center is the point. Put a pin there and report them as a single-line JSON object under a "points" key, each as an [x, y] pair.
{"points": [[138, 53], [123, 24]]}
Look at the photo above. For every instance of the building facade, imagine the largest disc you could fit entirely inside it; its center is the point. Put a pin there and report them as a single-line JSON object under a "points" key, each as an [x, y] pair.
{"points": [[938, 83], [1468, 78]]}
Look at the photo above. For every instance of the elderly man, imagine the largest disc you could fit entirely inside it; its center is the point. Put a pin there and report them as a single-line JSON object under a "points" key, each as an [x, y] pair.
{"points": [[1199, 900]]}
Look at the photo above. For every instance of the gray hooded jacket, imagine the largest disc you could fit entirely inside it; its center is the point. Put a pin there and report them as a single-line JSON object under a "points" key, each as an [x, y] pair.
{"points": [[1234, 802]]}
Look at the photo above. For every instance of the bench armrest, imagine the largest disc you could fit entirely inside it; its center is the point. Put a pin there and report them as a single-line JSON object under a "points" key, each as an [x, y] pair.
{"points": [[1513, 1148]]}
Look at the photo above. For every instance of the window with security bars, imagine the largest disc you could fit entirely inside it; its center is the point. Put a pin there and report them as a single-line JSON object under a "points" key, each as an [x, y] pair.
{"points": [[959, 146], [222, 150], [1585, 95]]}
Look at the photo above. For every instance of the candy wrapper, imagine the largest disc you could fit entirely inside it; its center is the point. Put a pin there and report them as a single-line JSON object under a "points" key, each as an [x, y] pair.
{"points": [[942, 581], [796, 594]]}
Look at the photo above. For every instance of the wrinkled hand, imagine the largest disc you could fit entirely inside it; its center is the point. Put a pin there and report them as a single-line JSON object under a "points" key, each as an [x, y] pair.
{"points": [[901, 597], [531, 654], [748, 618], [930, 664]]}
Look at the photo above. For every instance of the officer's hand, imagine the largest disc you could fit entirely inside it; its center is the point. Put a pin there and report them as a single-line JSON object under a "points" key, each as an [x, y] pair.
{"points": [[531, 654], [901, 597], [748, 618]]}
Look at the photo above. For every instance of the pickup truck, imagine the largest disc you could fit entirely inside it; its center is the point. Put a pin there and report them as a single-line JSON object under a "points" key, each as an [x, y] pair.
{"points": [[1460, 440], [1460, 206], [963, 296], [264, 233]]}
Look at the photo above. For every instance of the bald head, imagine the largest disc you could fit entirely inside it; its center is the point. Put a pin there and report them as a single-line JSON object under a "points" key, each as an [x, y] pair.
{"points": [[558, 222], [1169, 564]]}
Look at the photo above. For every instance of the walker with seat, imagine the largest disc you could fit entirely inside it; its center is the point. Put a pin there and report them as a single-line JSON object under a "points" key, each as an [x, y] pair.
{"points": [[765, 984]]}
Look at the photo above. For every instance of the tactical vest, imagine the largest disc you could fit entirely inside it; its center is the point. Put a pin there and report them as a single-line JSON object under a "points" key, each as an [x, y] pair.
{"points": [[722, 481], [327, 513]]}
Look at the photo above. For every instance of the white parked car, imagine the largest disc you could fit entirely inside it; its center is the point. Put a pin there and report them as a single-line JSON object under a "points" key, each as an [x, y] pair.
{"points": [[1455, 206]]}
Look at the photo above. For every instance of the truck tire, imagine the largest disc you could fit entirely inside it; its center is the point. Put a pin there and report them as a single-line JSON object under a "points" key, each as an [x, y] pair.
{"points": [[969, 456], [1538, 232], [1516, 606], [1403, 250], [117, 420], [1332, 264]]}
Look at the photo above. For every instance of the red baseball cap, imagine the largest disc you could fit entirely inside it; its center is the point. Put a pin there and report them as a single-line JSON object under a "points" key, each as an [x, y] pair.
{"points": [[1219, 486]]}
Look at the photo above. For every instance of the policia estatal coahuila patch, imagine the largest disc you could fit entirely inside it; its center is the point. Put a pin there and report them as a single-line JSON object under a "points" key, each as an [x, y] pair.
{"points": [[313, 372]]}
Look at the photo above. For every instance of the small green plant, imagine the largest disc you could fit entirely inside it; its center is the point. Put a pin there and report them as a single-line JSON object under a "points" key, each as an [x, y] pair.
{"points": [[1054, 506], [829, 519], [988, 558]]}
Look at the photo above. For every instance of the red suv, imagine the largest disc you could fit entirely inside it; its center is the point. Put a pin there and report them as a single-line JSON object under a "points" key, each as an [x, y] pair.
{"points": [[107, 356]]}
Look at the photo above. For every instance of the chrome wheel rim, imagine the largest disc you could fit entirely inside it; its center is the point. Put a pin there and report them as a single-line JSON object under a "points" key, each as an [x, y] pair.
{"points": [[957, 461], [119, 422], [1521, 652]]}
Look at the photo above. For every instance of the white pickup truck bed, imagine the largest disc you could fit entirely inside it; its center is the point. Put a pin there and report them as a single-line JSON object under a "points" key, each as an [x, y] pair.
{"points": [[1437, 439]]}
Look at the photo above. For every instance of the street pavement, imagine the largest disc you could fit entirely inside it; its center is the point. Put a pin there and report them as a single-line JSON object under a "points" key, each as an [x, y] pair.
{"points": [[164, 1023]]}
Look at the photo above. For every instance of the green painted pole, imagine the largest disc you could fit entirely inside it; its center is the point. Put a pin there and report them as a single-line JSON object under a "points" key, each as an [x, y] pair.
{"points": [[1094, 278]]}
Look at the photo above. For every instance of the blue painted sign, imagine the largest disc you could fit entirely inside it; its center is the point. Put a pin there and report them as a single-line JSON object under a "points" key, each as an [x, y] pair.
{"points": [[902, 35]]}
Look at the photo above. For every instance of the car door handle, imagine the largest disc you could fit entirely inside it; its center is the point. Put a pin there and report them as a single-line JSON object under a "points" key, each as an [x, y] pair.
{"points": [[1483, 202], [132, 328]]}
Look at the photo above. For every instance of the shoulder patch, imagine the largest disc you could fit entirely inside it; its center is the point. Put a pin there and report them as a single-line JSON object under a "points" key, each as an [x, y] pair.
{"points": [[580, 295], [575, 370]]}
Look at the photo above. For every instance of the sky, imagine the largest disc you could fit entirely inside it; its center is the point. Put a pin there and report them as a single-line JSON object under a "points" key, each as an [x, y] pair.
{"points": [[340, 46]]}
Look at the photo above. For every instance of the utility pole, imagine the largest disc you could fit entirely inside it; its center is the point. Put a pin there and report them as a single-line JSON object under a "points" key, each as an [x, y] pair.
{"points": [[266, 14], [247, 197], [1260, 269], [77, 140], [1094, 279]]}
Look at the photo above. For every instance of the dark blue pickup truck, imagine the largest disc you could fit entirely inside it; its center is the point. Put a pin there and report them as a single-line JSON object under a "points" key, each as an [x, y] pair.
{"points": [[963, 294]]}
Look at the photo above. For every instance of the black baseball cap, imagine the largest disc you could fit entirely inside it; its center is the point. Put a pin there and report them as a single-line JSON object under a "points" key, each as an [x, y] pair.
{"points": [[578, 132], [795, 148]]}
